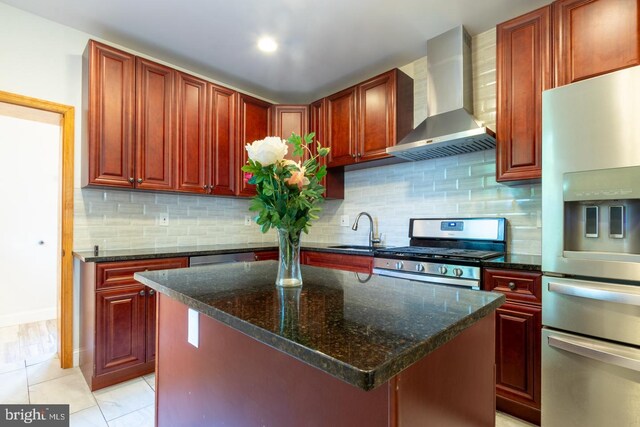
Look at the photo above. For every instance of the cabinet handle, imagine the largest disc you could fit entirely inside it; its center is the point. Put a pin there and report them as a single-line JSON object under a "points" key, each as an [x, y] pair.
{"points": [[141, 293], [139, 180], [151, 292], [131, 179], [512, 286]]}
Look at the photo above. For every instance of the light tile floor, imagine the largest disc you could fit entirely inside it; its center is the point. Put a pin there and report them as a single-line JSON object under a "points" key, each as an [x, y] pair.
{"points": [[33, 375]]}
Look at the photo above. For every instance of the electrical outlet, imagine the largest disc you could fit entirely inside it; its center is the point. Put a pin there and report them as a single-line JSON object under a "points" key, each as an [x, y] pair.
{"points": [[163, 220], [344, 220], [247, 220]]}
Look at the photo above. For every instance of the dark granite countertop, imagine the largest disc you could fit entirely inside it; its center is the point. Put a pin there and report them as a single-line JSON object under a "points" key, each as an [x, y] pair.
{"points": [[515, 262], [361, 329], [188, 251]]}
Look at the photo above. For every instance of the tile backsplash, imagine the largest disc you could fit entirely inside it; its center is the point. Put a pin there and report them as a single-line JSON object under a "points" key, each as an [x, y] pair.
{"points": [[461, 185]]}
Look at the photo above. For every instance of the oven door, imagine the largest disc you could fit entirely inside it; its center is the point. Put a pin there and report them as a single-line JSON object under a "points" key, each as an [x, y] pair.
{"points": [[428, 278], [588, 382]]}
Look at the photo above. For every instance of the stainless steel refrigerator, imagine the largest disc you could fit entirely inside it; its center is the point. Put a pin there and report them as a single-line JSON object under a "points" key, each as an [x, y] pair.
{"points": [[591, 252]]}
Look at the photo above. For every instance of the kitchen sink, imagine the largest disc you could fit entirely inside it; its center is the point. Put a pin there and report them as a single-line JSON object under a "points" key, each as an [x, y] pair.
{"points": [[353, 247]]}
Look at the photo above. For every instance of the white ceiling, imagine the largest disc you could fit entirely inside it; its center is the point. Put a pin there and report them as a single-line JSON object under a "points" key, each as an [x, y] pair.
{"points": [[325, 45]]}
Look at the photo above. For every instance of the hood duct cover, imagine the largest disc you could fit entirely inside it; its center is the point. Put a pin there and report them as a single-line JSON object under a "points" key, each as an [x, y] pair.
{"points": [[450, 128]]}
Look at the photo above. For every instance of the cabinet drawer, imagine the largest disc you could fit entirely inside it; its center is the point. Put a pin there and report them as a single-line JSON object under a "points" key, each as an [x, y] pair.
{"points": [[112, 274], [359, 264], [517, 286]]}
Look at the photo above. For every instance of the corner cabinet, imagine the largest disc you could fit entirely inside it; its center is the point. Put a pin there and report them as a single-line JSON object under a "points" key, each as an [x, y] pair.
{"points": [[288, 119], [253, 123], [594, 37], [118, 320], [364, 120], [524, 70], [518, 342]]}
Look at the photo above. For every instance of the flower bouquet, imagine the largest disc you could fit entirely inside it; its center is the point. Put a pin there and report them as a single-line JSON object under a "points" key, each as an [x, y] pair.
{"points": [[288, 194]]}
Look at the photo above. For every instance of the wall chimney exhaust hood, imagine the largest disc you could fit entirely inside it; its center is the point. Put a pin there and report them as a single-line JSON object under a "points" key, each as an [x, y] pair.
{"points": [[450, 127]]}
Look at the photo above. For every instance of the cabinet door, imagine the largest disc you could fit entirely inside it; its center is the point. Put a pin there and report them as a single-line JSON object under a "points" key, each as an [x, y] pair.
{"points": [[376, 124], [341, 127], [120, 328], [359, 264], [154, 125], [150, 325], [288, 119], [333, 182], [594, 37], [222, 138], [518, 336], [191, 146], [523, 72], [111, 80], [254, 124]]}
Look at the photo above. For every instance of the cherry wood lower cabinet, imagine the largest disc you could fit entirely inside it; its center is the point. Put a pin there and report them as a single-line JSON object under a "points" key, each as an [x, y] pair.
{"points": [[245, 382], [518, 342], [359, 264], [118, 320]]}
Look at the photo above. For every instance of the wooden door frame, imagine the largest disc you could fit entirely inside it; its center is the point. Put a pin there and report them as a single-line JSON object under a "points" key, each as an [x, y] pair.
{"points": [[65, 307]]}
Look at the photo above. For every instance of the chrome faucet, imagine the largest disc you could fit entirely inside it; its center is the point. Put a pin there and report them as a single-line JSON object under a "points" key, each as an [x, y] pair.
{"points": [[372, 239]]}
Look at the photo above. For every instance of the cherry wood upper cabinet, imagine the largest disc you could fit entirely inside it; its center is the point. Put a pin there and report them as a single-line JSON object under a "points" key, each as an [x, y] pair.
{"points": [[109, 81], [154, 125], [362, 121], [253, 124], [341, 127], [333, 182], [222, 137], [523, 71], [288, 119], [594, 37], [191, 144], [385, 113]]}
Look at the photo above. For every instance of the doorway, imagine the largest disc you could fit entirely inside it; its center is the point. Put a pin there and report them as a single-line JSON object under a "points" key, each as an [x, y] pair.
{"points": [[33, 241]]}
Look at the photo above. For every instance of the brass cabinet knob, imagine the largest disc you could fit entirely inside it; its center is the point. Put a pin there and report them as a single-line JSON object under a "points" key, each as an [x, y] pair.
{"points": [[131, 179], [141, 293], [512, 286]]}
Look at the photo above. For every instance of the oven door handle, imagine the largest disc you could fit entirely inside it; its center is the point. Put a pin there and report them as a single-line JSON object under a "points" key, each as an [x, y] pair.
{"points": [[593, 291], [629, 359]]}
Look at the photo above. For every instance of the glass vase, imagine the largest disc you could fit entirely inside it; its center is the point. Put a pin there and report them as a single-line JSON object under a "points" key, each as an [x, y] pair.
{"points": [[289, 274]]}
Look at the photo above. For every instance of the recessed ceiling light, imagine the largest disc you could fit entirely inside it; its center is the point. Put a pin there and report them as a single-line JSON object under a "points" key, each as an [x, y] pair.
{"points": [[267, 44]]}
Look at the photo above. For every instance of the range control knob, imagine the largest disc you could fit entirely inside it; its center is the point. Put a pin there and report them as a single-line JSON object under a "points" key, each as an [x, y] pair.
{"points": [[457, 272], [443, 270], [399, 265], [420, 268]]}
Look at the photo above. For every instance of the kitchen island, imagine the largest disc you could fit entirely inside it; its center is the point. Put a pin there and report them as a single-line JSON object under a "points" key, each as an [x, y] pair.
{"points": [[346, 349]]}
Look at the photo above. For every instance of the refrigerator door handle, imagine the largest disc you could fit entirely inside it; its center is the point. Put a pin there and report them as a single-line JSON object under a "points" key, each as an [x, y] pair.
{"points": [[624, 358], [592, 291]]}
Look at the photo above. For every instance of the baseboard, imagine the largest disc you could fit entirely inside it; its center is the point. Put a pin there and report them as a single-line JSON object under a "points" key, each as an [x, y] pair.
{"points": [[28, 316]]}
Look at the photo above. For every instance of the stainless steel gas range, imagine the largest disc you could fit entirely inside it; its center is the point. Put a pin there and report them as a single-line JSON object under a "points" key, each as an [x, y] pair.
{"points": [[444, 251]]}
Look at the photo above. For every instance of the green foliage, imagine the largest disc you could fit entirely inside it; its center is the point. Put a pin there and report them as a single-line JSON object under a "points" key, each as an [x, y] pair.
{"points": [[280, 203]]}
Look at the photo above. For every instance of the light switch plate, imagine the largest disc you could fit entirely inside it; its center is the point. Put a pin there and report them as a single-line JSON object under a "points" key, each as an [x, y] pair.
{"points": [[344, 220], [247, 220], [164, 220], [193, 328]]}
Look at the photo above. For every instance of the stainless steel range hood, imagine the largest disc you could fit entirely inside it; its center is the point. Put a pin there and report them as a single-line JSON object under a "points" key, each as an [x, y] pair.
{"points": [[450, 128]]}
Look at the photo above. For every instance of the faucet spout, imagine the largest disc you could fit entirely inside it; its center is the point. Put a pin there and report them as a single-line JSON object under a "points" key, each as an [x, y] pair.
{"points": [[372, 238]]}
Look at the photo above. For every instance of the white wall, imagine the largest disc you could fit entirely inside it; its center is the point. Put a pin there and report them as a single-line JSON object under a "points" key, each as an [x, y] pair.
{"points": [[29, 167]]}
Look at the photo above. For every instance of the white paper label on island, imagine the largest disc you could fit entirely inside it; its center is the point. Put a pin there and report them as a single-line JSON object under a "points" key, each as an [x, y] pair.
{"points": [[192, 328]]}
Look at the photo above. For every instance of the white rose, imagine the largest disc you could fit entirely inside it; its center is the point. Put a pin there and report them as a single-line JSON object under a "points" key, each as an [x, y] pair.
{"points": [[267, 151]]}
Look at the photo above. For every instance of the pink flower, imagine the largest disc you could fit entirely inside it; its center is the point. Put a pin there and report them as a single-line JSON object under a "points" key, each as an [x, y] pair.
{"points": [[247, 176], [298, 178]]}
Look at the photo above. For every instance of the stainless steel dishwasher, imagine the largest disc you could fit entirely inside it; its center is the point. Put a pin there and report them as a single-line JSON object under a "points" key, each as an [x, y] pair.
{"points": [[222, 258]]}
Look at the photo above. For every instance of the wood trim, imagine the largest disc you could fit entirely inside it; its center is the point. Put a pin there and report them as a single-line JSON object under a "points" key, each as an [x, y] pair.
{"points": [[65, 309]]}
